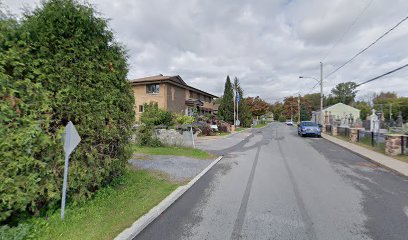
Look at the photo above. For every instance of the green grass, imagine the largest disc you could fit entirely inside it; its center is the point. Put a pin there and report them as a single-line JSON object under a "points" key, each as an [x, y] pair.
{"points": [[260, 125], [223, 133], [175, 151], [239, 129], [112, 210], [403, 158]]}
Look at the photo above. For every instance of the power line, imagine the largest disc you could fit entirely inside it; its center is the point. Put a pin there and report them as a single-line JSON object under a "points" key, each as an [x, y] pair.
{"points": [[366, 48], [382, 75], [312, 88], [347, 29]]}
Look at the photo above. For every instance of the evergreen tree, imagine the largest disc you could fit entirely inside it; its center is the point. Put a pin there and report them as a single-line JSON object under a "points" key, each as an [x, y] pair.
{"points": [[226, 109], [60, 63], [245, 113], [304, 113], [243, 110]]}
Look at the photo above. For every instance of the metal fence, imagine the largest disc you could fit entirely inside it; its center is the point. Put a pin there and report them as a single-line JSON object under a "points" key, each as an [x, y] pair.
{"points": [[329, 129], [343, 131], [373, 139], [404, 145], [376, 140]]}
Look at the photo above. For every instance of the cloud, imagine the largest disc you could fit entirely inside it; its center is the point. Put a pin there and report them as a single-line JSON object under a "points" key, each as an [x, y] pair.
{"points": [[266, 44]]}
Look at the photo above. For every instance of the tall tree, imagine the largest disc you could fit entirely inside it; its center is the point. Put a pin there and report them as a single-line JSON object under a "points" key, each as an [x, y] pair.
{"points": [[365, 109], [258, 106], [243, 110], [345, 92], [314, 100], [304, 113], [245, 113], [386, 101], [277, 110], [226, 109], [384, 96]]}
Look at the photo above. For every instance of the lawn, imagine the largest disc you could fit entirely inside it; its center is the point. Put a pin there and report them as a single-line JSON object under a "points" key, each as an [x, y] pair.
{"points": [[223, 133], [239, 129], [175, 151], [112, 210], [261, 125]]}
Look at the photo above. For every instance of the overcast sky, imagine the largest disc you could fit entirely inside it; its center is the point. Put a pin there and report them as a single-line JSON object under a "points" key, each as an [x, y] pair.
{"points": [[267, 44]]}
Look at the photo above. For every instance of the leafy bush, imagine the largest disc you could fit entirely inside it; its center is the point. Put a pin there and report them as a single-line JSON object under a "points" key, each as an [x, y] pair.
{"points": [[183, 119], [24, 143], [204, 128], [145, 136], [282, 118], [20, 232], [223, 127], [155, 116], [60, 64]]}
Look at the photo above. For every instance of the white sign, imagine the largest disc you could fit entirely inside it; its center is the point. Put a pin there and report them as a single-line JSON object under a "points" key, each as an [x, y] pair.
{"points": [[237, 123], [71, 138]]}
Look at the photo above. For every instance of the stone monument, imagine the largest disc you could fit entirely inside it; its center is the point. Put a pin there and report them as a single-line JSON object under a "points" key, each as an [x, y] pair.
{"points": [[374, 122], [399, 120]]}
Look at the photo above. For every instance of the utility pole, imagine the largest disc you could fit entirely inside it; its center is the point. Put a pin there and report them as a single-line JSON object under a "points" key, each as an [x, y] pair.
{"points": [[299, 108], [390, 114], [238, 99], [291, 113], [234, 106], [321, 93], [319, 81]]}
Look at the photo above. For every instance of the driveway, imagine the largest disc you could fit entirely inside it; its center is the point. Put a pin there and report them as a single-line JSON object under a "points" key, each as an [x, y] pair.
{"points": [[177, 168]]}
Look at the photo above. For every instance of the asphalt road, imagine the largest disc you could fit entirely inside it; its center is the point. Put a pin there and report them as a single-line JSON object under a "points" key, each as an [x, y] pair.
{"points": [[273, 184]]}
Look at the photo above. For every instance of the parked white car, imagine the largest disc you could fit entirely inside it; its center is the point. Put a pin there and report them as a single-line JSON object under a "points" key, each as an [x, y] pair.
{"points": [[289, 122]]}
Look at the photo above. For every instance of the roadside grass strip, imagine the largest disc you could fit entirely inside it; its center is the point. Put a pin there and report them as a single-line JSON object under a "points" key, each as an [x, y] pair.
{"points": [[261, 125], [113, 208], [379, 148]]}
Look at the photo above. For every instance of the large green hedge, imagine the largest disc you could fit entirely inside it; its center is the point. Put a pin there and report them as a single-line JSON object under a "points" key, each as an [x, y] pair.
{"points": [[60, 63]]}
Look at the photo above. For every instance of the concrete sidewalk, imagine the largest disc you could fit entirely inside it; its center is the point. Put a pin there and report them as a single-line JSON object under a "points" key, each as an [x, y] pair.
{"points": [[381, 159]]}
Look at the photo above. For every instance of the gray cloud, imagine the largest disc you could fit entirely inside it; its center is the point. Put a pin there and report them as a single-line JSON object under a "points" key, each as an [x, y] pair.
{"points": [[266, 44]]}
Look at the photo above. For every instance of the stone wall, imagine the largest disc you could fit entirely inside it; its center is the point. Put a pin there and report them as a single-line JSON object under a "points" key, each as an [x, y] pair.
{"points": [[172, 137], [393, 144]]}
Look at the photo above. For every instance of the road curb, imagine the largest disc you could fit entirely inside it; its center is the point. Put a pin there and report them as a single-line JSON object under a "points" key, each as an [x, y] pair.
{"points": [[149, 217], [396, 171]]}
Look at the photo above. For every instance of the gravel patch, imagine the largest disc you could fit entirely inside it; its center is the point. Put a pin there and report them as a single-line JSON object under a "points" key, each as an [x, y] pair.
{"points": [[178, 168]]}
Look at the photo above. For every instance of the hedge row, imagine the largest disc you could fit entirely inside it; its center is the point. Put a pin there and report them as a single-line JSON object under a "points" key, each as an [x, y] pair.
{"points": [[60, 63]]}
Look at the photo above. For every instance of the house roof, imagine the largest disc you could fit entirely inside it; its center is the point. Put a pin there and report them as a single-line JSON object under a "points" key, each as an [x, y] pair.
{"points": [[342, 104], [175, 80]]}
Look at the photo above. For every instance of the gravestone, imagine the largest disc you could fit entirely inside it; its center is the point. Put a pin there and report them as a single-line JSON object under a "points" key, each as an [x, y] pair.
{"points": [[399, 120], [358, 123], [374, 122]]}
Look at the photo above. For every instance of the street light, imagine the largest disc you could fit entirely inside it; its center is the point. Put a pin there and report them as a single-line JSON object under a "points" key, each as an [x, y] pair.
{"points": [[321, 90]]}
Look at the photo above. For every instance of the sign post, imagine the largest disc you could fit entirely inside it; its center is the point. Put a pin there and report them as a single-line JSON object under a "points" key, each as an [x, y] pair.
{"points": [[71, 139], [237, 123]]}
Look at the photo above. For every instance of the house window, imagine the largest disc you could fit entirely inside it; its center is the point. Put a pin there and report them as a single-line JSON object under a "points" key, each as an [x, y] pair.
{"points": [[153, 88], [140, 108]]}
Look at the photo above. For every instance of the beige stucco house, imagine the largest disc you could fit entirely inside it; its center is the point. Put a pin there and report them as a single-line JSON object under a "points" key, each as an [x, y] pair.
{"points": [[337, 111], [171, 93]]}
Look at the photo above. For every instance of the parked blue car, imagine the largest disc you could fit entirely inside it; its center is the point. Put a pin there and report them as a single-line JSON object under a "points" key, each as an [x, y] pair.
{"points": [[307, 128]]}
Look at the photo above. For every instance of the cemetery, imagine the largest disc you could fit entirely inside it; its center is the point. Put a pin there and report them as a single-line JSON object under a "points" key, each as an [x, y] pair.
{"points": [[390, 137]]}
